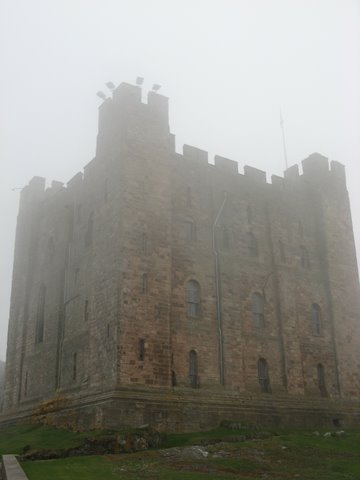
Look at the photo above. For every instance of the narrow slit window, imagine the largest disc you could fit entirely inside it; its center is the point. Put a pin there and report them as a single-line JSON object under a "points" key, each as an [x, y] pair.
{"points": [[74, 366], [193, 369], [141, 349], [193, 298], [263, 373]]}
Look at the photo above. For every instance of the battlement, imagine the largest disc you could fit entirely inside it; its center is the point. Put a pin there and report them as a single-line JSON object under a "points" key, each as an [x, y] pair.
{"points": [[126, 114]]}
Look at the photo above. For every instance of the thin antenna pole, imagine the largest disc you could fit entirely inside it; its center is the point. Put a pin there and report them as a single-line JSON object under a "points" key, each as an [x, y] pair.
{"points": [[283, 137]]}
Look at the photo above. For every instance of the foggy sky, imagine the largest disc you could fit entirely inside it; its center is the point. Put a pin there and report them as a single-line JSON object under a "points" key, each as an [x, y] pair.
{"points": [[227, 67]]}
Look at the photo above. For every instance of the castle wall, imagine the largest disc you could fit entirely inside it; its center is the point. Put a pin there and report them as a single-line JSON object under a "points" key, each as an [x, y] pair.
{"points": [[102, 269]]}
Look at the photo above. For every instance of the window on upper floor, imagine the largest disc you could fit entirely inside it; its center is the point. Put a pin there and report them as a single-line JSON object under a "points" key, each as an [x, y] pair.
{"points": [[257, 307], [193, 298], [316, 319]]}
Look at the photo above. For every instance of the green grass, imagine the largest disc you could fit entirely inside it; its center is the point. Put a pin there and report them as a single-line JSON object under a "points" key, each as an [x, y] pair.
{"points": [[288, 455], [14, 439]]}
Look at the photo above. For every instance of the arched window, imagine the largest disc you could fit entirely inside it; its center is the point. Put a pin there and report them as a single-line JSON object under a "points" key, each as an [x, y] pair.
{"points": [[89, 231], [304, 257], [257, 307], [252, 245], [193, 298], [263, 373], [321, 380], [40, 317], [316, 319], [193, 369]]}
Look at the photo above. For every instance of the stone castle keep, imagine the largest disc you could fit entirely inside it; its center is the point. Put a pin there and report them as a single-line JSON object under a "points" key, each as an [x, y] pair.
{"points": [[158, 288]]}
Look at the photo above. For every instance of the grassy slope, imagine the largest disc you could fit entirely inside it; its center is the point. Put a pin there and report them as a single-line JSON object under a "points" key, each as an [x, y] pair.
{"points": [[14, 439], [290, 455]]}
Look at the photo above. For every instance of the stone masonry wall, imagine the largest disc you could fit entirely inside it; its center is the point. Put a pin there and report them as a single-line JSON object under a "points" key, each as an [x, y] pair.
{"points": [[102, 267]]}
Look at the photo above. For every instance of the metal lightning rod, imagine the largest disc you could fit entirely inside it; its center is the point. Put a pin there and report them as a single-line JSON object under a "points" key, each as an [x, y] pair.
{"points": [[283, 137]]}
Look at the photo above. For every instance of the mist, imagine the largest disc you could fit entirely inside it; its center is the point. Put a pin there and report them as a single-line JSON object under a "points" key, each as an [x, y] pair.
{"points": [[227, 67]]}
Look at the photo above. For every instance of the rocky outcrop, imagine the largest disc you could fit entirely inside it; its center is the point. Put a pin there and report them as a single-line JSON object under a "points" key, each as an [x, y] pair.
{"points": [[133, 441]]}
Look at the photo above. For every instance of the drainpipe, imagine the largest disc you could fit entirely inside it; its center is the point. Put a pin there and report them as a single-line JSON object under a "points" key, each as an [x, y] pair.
{"points": [[218, 292]]}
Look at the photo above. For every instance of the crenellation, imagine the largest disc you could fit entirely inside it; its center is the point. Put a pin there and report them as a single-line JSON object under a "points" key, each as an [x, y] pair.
{"points": [[254, 174], [292, 172], [226, 164], [196, 155], [315, 167], [277, 181]]}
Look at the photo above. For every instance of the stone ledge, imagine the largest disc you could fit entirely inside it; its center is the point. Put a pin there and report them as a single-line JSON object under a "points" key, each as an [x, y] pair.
{"points": [[11, 469]]}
